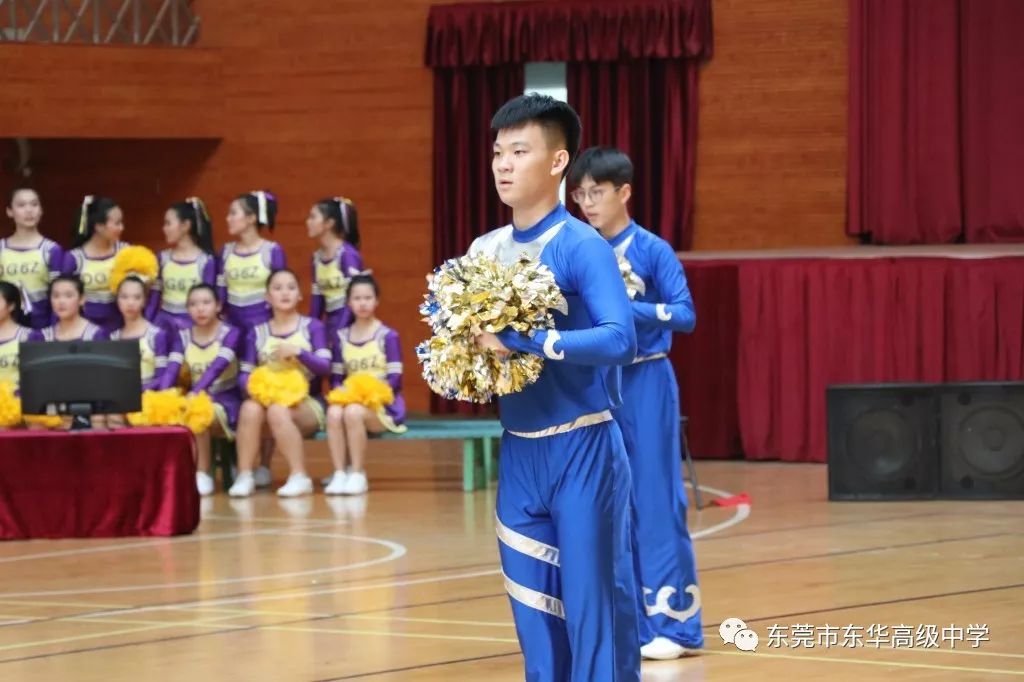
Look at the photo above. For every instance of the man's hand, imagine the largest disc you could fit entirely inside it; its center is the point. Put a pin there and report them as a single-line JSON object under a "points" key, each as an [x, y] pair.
{"points": [[491, 342]]}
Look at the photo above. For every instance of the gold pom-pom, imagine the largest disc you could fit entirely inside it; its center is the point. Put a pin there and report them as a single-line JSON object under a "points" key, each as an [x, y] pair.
{"points": [[199, 412], [160, 408], [457, 369], [10, 406], [634, 283], [478, 293], [277, 386], [44, 420], [133, 260], [475, 294], [363, 388]]}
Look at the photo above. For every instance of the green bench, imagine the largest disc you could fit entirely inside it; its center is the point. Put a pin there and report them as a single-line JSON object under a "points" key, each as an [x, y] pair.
{"points": [[478, 438]]}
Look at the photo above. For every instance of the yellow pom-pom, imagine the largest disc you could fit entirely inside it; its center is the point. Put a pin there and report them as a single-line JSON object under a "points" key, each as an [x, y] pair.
{"points": [[160, 408], [364, 389], [137, 419], [10, 406], [277, 386], [198, 412], [133, 260], [44, 420]]}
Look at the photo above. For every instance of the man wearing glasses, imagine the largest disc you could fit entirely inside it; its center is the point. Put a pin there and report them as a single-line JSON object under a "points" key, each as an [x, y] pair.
{"points": [[670, 622]]}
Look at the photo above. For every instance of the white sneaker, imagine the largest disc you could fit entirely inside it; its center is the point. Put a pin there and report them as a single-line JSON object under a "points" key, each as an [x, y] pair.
{"points": [[664, 649], [244, 485], [204, 483], [356, 484], [262, 477], [336, 484], [296, 486]]}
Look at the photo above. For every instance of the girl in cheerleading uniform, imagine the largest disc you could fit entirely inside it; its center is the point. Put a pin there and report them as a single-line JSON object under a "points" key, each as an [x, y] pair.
{"points": [[96, 242], [211, 357], [191, 260], [12, 333], [67, 298], [367, 346], [247, 262], [28, 259], [155, 342], [287, 340], [336, 224]]}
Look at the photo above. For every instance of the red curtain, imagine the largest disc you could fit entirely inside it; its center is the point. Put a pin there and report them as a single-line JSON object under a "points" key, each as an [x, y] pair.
{"points": [[992, 69], [648, 109], [494, 33], [706, 362], [936, 148], [904, 158], [806, 324], [465, 203], [773, 334]]}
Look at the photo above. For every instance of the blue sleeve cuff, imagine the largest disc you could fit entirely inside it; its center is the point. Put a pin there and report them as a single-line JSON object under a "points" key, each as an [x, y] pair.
{"points": [[521, 343]]}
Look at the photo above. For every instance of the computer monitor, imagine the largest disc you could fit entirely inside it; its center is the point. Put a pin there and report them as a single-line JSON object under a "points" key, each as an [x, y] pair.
{"points": [[80, 378]]}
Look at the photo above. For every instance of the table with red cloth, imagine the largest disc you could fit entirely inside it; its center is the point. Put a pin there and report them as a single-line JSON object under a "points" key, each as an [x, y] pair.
{"points": [[137, 481], [773, 333]]}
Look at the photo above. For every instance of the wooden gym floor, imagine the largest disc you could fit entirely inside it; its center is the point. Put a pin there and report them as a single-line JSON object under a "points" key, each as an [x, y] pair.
{"points": [[404, 586]]}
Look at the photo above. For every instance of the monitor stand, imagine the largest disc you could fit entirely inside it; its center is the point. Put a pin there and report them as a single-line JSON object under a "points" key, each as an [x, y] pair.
{"points": [[80, 416]]}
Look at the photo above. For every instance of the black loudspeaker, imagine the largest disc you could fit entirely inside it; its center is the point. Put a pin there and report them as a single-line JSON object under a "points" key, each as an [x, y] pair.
{"points": [[982, 445], [882, 442]]}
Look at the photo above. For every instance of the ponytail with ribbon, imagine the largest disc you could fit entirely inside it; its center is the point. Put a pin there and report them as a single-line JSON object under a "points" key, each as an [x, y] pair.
{"points": [[83, 214], [266, 208], [95, 210], [346, 219]]}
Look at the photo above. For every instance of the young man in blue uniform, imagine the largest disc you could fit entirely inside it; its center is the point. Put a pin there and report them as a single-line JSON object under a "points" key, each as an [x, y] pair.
{"points": [[563, 510], [670, 618]]}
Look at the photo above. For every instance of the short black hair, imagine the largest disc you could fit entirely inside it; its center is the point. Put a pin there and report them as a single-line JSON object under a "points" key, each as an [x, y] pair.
{"points": [[275, 273], [203, 286], [364, 278], [73, 279], [554, 116], [602, 164], [19, 188]]}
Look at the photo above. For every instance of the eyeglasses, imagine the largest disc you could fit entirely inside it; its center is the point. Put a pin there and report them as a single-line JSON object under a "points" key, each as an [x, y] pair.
{"points": [[595, 194]]}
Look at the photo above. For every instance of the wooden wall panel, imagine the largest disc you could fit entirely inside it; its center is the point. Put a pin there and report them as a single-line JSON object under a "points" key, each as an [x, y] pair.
{"points": [[106, 92], [771, 150]]}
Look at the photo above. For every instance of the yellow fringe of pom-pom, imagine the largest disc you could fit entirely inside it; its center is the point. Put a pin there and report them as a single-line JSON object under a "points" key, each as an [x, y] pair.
{"points": [[160, 408], [133, 260], [171, 408], [457, 369], [274, 386], [10, 406], [364, 389], [475, 294], [199, 412], [45, 420]]}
